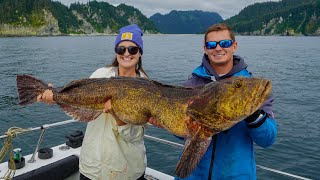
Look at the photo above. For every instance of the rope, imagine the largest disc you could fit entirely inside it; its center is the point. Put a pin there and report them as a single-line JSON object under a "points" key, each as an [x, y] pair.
{"points": [[7, 147]]}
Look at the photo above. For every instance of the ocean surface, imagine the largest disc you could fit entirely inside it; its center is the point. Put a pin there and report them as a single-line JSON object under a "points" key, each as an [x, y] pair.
{"points": [[291, 63]]}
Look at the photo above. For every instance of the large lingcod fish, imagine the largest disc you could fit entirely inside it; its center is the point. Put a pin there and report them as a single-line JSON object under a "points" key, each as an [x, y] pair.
{"points": [[193, 113]]}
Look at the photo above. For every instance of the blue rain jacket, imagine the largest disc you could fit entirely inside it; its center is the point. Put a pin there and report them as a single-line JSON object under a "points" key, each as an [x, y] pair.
{"points": [[232, 151]]}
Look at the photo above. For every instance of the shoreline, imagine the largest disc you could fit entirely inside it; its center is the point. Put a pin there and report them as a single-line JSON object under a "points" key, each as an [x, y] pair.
{"points": [[148, 34]]}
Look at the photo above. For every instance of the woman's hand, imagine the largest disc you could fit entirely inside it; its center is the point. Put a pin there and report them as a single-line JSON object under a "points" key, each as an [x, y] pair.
{"points": [[46, 96], [107, 106], [108, 109]]}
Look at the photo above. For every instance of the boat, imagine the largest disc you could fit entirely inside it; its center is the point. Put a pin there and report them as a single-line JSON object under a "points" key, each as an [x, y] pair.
{"points": [[61, 161]]}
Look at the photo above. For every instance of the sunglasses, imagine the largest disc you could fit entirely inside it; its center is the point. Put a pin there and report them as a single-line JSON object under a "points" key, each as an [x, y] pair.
{"points": [[131, 49], [222, 44]]}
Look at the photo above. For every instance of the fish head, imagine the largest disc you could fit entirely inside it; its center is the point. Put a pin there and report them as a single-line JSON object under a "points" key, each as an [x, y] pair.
{"points": [[222, 104]]}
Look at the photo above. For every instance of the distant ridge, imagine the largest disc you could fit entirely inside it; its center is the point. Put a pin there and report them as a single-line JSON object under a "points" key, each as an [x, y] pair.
{"points": [[287, 17], [46, 17], [185, 22]]}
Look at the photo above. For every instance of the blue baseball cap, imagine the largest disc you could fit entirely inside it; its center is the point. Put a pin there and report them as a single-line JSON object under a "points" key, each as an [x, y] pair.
{"points": [[130, 33]]}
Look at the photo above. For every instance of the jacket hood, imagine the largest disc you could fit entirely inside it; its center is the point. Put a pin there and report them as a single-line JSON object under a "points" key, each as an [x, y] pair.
{"points": [[206, 71]]}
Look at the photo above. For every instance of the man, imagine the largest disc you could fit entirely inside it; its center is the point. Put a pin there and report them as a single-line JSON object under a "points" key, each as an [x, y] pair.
{"points": [[231, 153]]}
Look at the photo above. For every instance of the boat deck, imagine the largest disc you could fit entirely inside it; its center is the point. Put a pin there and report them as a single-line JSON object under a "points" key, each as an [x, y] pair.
{"points": [[61, 152]]}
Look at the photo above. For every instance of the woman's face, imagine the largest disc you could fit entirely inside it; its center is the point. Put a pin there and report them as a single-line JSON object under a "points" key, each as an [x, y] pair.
{"points": [[128, 61]]}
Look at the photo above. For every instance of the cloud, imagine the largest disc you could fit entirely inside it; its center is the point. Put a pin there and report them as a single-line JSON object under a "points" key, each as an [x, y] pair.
{"points": [[226, 8]]}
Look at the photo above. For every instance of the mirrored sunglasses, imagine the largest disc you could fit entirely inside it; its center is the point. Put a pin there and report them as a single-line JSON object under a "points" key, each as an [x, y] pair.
{"points": [[131, 49], [223, 44]]}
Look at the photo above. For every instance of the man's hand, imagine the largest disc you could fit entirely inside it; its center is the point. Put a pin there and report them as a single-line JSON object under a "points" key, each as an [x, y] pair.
{"points": [[46, 96], [155, 122]]}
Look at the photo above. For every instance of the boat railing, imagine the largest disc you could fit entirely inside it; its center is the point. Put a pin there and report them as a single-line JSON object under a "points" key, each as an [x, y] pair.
{"points": [[163, 141]]}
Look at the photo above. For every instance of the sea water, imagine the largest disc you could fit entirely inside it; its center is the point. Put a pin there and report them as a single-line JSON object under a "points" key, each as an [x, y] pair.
{"points": [[291, 63]]}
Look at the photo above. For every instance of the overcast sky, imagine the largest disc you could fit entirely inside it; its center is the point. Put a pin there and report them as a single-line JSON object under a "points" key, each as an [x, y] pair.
{"points": [[226, 8]]}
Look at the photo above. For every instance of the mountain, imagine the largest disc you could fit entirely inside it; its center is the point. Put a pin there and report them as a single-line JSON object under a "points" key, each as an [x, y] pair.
{"points": [[46, 17], [185, 22], [287, 17]]}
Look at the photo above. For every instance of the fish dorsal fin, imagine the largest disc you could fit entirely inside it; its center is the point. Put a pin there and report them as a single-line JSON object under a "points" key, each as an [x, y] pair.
{"points": [[81, 82], [162, 85], [81, 114], [194, 148]]}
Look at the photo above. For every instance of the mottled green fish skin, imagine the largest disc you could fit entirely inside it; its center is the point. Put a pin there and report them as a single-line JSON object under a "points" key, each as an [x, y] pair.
{"points": [[134, 100], [222, 104], [194, 113], [218, 105]]}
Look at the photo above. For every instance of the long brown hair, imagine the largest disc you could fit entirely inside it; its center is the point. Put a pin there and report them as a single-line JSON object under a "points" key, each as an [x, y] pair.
{"points": [[115, 63]]}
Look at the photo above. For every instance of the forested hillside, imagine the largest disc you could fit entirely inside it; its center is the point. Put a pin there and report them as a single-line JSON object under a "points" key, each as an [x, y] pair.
{"points": [[185, 22], [287, 17], [46, 17]]}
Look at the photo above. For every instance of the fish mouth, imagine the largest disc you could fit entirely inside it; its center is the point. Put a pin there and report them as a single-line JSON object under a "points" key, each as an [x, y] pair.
{"points": [[267, 86], [263, 92]]}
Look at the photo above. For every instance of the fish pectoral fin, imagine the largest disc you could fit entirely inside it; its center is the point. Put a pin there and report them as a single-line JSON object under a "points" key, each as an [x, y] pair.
{"points": [[80, 114], [194, 148]]}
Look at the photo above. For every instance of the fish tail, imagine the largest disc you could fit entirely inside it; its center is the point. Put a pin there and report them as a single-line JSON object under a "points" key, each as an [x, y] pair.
{"points": [[29, 88]]}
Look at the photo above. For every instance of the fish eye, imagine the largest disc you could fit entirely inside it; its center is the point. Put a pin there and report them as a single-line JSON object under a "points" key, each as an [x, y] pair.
{"points": [[237, 84]]}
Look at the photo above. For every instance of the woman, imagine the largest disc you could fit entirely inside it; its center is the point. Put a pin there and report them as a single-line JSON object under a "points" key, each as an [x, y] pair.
{"points": [[111, 148]]}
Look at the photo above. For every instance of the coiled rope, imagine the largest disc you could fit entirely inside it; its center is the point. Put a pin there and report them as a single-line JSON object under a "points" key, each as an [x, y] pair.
{"points": [[7, 147]]}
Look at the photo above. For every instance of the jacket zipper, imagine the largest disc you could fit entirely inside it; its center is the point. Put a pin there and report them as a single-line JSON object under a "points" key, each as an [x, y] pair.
{"points": [[212, 156]]}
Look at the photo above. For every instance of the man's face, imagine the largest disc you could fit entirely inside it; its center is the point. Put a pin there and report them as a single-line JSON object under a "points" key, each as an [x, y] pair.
{"points": [[220, 56]]}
